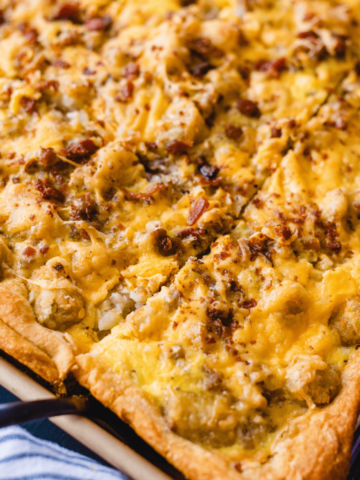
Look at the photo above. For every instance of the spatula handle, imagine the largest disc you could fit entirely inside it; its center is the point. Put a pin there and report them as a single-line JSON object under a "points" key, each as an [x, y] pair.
{"points": [[21, 412]]}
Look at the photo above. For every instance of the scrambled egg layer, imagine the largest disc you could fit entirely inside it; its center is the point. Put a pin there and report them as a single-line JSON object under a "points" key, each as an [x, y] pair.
{"points": [[180, 194]]}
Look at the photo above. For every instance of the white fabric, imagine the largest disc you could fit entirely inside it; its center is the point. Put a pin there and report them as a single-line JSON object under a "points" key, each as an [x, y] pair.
{"points": [[24, 457]]}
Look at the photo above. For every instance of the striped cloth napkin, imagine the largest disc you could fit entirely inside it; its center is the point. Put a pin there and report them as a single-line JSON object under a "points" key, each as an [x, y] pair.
{"points": [[24, 457]]}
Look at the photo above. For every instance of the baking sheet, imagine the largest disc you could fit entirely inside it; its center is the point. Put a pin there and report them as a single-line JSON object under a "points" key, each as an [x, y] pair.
{"points": [[84, 430]]}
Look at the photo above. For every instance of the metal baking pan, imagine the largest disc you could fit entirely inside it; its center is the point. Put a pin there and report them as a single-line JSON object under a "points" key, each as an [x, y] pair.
{"points": [[107, 435]]}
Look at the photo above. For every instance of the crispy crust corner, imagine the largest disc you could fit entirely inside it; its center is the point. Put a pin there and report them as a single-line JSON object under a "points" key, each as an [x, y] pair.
{"points": [[37, 347], [316, 446]]}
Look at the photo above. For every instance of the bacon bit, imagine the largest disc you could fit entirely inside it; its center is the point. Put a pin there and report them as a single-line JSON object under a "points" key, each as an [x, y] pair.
{"points": [[210, 340], [219, 321], [258, 202], [340, 46], [188, 232], [201, 69], [340, 123], [82, 150], [276, 132], [60, 63], [44, 250], [259, 245], [233, 131], [48, 192], [309, 35], [48, 157], [242, 40], [311, 243], [357, 68], [238, 467], [16, 180], [197, 209], [204, 48], [147, 197], [98, 24], [88, 71], [244, 72], [29, 252], [84, 208], [165, 245], [284, 232], [151, 146], [215, 182], [2, 17], [48, 85], [177, 146], [272, 67], [334, 246], [59, 267], [132, 71], [125, 93], [70, 12], [234, 286], [248, 304], [84, 235], [248, 108], [28, 104], [29, 33]]}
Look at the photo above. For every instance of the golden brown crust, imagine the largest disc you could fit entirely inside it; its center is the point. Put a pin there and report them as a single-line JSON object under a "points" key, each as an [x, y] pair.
{"points": [[316, 446], [16, 313], [26, 353]]}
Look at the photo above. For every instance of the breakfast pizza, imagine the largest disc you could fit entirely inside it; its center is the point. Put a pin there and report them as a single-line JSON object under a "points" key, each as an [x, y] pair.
{"points": [[180, 221]]}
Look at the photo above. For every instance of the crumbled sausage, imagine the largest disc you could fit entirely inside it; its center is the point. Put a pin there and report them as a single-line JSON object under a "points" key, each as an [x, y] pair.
{"points": [[346, 320], [325, 386]]}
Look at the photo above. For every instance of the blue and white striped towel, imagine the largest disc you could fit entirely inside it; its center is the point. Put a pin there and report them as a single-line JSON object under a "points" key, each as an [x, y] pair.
{"points": [[24, 457]]}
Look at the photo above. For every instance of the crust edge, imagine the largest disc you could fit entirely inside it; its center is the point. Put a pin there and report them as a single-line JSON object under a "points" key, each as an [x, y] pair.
{"points": [[316, 446]]}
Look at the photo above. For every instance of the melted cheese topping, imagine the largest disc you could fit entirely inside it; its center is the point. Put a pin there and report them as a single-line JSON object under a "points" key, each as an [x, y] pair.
{"points": [[179, 194]]}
